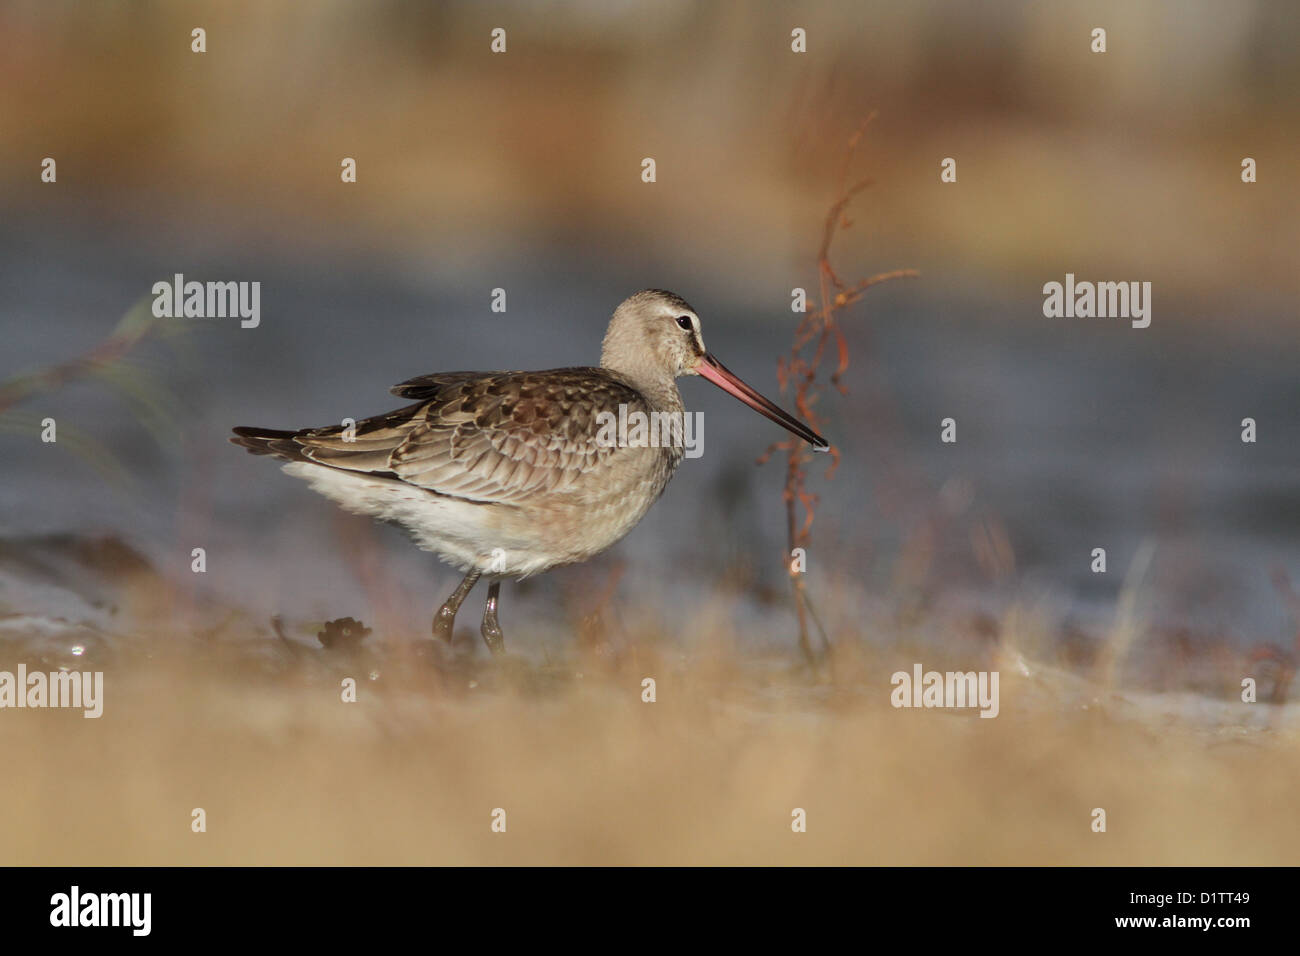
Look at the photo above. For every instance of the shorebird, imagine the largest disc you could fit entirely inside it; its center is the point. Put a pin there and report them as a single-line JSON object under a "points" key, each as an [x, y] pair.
{"points": [[512, 473]]}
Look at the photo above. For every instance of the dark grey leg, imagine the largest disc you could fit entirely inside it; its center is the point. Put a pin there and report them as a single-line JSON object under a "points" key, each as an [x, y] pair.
{"points": [[496, 641], [445, 619]]}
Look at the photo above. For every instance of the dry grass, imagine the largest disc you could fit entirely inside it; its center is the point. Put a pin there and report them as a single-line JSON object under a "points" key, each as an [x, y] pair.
{"points": [[256, 734]]}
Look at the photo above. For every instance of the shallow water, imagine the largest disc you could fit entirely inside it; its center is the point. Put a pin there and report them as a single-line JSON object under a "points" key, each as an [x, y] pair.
{"points": [[1071, 436]]}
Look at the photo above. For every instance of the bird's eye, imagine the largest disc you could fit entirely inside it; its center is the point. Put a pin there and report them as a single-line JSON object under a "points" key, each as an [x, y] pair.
{"points": [[684, 321]]}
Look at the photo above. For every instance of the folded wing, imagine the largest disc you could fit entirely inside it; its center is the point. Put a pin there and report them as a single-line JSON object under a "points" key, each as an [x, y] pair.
{"points": [[490, 437]]}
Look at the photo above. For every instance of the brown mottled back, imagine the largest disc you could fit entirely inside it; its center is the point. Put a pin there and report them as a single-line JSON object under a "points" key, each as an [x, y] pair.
{"points": [[482, 436]]}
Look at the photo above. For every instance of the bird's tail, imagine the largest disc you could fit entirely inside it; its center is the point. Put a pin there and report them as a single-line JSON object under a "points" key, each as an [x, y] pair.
{"points": [[269, 441]]}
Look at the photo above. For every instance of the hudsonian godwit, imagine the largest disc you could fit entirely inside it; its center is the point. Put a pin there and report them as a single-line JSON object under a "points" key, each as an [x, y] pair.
{"points": [[511, 473]]}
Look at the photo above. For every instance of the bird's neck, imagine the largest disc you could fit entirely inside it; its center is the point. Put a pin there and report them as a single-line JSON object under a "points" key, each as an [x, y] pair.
{"points": [[658, 388]]}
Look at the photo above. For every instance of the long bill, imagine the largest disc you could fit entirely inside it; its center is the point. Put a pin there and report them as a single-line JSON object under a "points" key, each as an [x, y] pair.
{"points": [[728, 381]]}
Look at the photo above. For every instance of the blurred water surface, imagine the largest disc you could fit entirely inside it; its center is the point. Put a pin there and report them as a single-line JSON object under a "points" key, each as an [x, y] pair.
{"points": [[1072, 434]]}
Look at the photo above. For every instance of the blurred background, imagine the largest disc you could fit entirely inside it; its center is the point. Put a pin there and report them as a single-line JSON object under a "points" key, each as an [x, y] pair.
{"points": [[521, 170]]}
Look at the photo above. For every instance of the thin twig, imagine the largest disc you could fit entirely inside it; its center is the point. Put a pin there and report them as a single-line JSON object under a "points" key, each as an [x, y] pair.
{"points": [[799, 371]]}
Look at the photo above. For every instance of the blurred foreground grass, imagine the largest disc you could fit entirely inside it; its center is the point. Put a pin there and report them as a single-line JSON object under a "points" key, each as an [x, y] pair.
{"points": [[253, 730]]}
